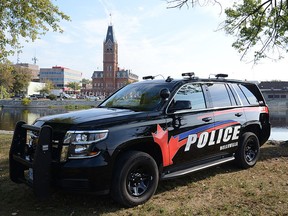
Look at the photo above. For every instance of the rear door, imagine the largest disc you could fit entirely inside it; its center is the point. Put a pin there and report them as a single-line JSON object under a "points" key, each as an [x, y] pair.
{"points": [[256, 111], [229, 117]]}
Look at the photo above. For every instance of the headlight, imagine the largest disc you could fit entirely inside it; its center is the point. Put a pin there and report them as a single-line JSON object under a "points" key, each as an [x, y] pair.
{"points": [[80, 143]]}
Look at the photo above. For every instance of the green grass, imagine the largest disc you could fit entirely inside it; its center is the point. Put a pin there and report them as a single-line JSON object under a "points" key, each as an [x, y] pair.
{"points": [[221, 190]]}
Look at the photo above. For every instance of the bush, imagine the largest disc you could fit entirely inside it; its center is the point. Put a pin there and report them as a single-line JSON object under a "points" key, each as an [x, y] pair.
{"points": [[52, 97], [26, 101]]}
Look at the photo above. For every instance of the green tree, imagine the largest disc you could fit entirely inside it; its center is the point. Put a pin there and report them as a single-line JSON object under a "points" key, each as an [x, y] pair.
{"points": [[48, 87], [28, 20], [74, 85], [6, 76], [259, 26], [22, 77], [85, 82], [3, 93]]}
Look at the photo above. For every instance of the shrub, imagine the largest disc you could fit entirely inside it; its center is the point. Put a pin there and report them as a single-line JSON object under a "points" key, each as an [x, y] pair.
{"points": [[52, 97], [26, 101]]}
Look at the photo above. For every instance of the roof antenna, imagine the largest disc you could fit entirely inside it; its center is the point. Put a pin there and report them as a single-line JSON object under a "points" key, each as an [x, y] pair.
{"points": [[34, 59], [110, 15]]}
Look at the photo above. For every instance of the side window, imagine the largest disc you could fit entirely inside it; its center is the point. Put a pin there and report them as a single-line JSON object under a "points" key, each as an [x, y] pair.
{"points": [[219, 94], [231, 95], [192, 93], [248, 92], [241, 94]]}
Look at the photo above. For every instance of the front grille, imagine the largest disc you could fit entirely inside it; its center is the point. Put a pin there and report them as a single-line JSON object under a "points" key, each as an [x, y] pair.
{"points": [[32, 142]]}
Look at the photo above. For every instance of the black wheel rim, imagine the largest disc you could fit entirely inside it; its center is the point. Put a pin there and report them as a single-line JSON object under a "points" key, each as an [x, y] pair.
{"points": [[138, 181], [251, 150]]}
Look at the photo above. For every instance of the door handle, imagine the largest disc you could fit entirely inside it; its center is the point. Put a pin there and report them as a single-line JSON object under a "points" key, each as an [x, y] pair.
{"points": [[238, 114], [207, 119]]}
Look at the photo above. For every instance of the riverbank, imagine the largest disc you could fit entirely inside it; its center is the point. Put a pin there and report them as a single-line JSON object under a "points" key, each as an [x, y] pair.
{"points": [[47, 103]]}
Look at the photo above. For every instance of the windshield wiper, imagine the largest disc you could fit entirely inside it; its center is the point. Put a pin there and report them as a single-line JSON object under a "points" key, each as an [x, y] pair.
{"points": [[118, 107], [135, 109]]}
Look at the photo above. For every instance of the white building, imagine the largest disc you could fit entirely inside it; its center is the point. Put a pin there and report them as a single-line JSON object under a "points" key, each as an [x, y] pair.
{"points": [[60, 76]]}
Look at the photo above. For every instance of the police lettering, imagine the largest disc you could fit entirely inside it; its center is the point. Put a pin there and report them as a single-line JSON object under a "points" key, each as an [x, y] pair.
{"points": [[210, 139]]}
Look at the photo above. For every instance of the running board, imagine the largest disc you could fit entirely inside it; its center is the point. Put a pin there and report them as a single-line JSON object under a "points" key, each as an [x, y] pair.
{"points": [[196, 168]]}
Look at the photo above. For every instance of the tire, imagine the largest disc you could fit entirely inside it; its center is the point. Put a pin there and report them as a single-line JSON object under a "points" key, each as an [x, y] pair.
{"points": [[248, 151], [135, 179]]}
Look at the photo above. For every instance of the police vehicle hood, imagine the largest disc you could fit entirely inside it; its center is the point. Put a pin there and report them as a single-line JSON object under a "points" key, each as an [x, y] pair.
{"points": [[103, 115]]}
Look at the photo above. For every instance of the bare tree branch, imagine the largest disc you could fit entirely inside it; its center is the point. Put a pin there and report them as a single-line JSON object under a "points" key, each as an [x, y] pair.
{"points": [[259, 25]]}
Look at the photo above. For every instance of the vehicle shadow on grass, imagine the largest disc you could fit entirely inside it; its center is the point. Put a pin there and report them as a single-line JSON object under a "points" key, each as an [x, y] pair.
{"points": [[271, 150]]}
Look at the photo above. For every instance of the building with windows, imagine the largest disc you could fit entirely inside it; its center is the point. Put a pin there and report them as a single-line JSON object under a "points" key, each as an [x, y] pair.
{"points": [[112, 77], [60, 76], [33, 68], [272, 90]]}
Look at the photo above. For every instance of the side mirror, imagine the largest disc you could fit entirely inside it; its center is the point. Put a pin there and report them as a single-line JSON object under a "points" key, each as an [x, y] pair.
{"points": [[180, 105], [165, 93]]}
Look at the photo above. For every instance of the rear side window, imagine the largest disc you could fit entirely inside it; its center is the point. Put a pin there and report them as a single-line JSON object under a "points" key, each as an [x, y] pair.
{"points": [[219, 94], [249, 94], [241, 94]]}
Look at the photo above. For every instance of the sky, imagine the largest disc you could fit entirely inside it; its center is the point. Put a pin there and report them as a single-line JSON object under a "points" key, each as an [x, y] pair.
{"points": [[151, 40]]}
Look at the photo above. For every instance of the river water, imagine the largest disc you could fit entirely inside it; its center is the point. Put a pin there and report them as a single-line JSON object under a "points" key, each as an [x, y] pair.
{"points": [[10, 116]]}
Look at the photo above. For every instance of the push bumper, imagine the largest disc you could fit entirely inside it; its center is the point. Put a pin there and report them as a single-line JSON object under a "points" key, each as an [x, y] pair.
{"points": [[36, 173], [43, 172]]}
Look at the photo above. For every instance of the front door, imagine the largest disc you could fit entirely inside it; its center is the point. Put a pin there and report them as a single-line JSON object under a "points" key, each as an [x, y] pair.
{"points": [[189, 124]]}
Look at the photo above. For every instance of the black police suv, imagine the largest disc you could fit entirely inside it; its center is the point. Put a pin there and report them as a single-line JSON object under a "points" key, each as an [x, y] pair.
{"points": [[146, 131]]}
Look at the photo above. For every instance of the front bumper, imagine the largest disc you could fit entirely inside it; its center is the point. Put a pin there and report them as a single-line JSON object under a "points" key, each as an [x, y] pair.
{"points": [[43, 171]]}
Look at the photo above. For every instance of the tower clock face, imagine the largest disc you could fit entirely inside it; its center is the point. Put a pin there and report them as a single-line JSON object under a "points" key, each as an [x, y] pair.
{"points": [[109, 44]]}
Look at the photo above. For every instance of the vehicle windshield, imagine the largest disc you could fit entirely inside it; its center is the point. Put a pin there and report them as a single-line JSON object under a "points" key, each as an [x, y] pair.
{"points": [[137, 96]]}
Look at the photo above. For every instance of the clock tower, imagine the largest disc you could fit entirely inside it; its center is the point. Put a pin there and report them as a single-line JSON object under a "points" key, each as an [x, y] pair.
{"points": [[110, 60], [112, 77]]}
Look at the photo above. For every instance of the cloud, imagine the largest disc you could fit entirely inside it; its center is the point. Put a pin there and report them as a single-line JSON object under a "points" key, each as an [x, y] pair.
{"points": [[63, 39], [151, 40]]}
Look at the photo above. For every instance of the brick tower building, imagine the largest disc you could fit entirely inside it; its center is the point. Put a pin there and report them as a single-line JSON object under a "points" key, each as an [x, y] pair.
{"points": [[112, 77]]}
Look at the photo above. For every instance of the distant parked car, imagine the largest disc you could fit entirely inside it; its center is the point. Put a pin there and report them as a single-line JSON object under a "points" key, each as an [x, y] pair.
{"points": [[66, 96], [33, 97], [18, 97], [73, 96], [37, 96], [92, 98]]}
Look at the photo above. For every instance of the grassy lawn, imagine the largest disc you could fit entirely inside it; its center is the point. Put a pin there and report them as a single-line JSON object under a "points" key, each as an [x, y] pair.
{"points": [[222, 190]]}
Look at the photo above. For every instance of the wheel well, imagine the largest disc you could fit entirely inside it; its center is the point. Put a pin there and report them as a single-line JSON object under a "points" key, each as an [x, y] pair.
{"points": [[254, 128], [150, 148]]}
